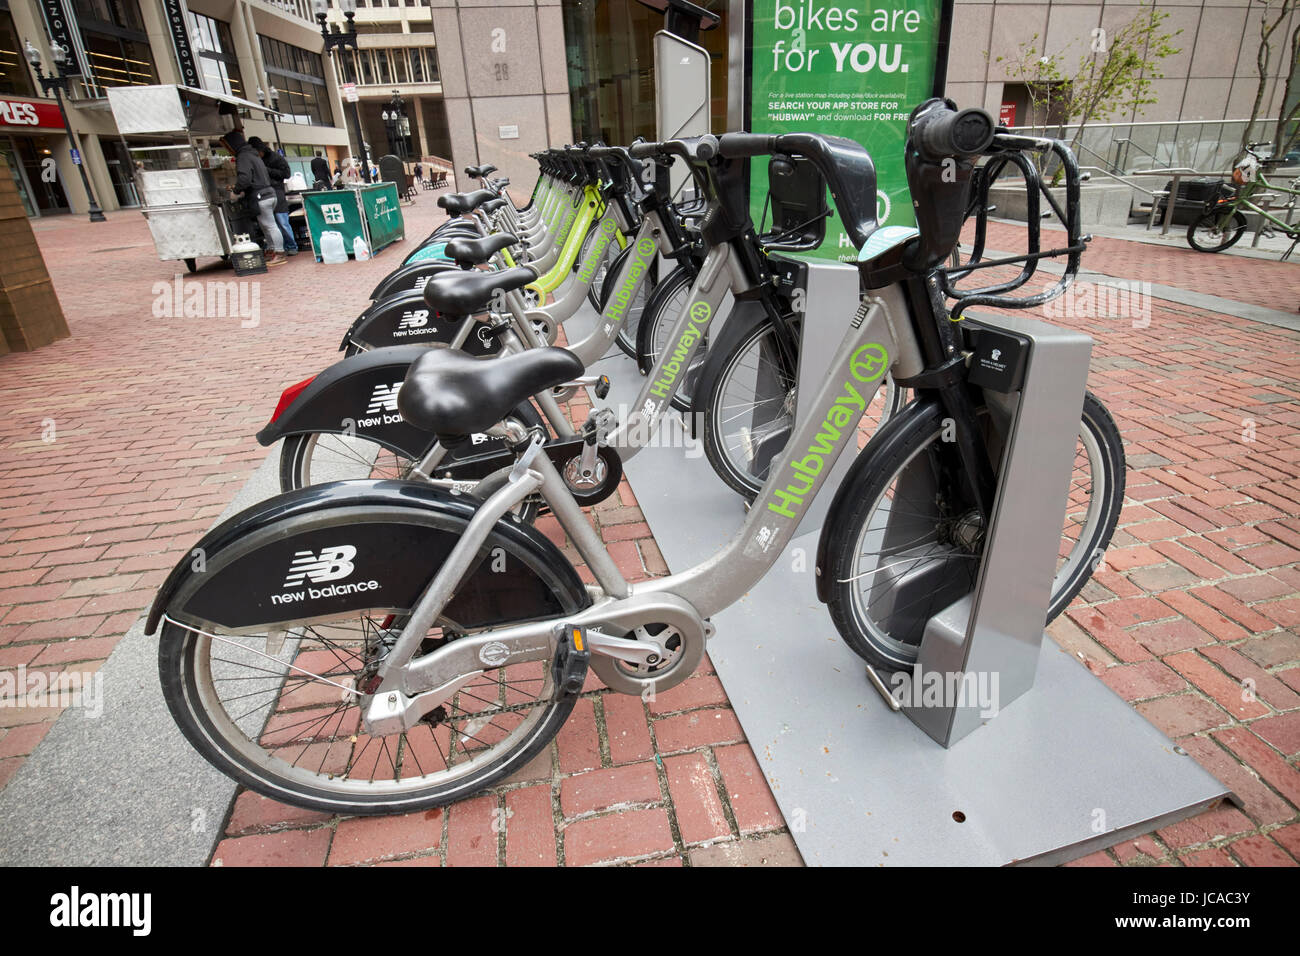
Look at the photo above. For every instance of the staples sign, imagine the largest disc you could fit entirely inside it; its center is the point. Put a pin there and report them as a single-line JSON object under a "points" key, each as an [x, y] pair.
{"points": [[25, 113]]}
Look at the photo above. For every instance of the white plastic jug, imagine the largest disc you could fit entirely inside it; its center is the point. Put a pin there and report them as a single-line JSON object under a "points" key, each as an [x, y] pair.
{"points": [[332, 248], [297, 182], [360, 251]]}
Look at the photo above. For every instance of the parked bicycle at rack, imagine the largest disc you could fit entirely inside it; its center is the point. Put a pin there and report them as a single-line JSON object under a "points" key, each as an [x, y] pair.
{"points": [[384, 646]]}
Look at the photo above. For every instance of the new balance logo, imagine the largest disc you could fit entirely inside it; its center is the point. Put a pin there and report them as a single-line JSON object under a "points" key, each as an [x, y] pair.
{"points": [[330, 565], [414, 320], [384, 399]]}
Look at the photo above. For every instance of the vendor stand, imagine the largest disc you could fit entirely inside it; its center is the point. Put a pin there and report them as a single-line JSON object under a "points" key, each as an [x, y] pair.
{"points": [[370, 211], [185, 187]]}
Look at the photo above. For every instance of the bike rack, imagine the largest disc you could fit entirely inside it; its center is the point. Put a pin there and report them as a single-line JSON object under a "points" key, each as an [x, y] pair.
{"points": [[998, 627]]}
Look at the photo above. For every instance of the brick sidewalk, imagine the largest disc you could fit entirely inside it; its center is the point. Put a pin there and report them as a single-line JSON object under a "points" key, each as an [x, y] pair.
{"points": [[153, 420]]}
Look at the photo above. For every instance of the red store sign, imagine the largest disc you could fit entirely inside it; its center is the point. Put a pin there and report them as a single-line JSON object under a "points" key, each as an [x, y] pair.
{"points": [[26, 113]]}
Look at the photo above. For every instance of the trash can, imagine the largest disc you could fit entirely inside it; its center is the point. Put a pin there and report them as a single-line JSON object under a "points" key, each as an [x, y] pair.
{"points": [[1194, 195]]}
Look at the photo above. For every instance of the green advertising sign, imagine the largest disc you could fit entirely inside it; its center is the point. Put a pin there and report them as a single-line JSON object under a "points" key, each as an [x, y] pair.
{"points": [[333, 209], [383, 214], [851, 68]]}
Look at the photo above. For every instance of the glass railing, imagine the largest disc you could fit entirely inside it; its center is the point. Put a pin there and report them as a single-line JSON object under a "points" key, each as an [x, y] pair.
{"points": [[1129, 148]]}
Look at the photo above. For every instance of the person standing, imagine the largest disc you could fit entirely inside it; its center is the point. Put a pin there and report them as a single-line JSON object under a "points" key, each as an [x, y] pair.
{"points": [[277, 168], [253, 183], [320, 170], [419, 172]]}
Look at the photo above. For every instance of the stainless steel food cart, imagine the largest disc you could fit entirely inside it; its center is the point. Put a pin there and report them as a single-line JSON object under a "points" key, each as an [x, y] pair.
{"points": [[185, 186]]}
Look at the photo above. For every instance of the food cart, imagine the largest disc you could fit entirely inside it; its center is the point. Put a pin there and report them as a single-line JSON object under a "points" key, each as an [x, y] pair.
{"points": [[185, 186]]}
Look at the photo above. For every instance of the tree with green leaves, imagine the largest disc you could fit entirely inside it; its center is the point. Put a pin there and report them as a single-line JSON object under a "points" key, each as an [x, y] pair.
{"points": [[1113, 75]]}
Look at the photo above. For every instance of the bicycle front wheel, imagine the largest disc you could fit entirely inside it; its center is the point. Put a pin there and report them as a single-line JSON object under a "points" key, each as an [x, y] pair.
{"points": [[747, 400], [910, 543]]}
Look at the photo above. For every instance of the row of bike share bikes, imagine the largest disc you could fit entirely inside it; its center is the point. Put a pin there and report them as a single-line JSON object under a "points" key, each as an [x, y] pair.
{"points": [[392, 632]]}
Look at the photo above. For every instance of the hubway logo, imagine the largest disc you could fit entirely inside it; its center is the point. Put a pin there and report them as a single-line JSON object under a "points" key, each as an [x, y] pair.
{"points": [[598, 246], [700, 314], [641, 256], [867, 365], [330, 564]]}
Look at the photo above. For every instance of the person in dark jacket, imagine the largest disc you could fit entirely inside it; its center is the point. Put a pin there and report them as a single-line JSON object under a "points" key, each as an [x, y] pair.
{"points": [[253, 183], [277, 168], [320, 170]]}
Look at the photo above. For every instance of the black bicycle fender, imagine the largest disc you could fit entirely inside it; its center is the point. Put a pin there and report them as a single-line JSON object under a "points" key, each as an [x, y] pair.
{"points": [[406, 319], [358, 393], [345, 546], [410, 277]]}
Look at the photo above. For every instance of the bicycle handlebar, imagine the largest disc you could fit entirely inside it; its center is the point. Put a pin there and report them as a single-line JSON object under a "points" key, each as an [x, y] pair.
{"points": [[693, 149], [939, 132]]}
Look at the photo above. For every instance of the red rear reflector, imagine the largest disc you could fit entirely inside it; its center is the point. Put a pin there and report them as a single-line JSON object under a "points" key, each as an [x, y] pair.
{"points": [[289, 394]]}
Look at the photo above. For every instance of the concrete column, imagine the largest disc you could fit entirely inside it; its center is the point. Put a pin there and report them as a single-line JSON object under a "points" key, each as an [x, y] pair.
{"points": [[422, 132]]}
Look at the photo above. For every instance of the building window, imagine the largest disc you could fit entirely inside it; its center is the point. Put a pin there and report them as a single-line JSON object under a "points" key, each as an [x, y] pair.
{"points": [[299, 75], [218, 65], [117, 47], [15, 77]]}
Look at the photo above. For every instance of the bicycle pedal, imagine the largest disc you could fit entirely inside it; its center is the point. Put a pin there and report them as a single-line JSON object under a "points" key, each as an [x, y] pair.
{"points": [[572, 659], [602, 387]]}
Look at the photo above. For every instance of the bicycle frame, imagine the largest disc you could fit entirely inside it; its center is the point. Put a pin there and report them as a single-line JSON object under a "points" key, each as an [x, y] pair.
{"points": [[879, 340]]}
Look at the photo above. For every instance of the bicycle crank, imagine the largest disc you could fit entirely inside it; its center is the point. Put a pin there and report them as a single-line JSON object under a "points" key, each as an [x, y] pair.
{"points": [[648, 659]]}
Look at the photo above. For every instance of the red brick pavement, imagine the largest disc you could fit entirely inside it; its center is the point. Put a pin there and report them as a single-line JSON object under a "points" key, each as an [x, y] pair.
{"points": [[1267, 283], [1193, 618]]}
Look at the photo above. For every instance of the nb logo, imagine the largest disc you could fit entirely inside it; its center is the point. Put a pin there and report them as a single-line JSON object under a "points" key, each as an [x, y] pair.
{"points": [[330, 565], [414, 320], [384, 399]]}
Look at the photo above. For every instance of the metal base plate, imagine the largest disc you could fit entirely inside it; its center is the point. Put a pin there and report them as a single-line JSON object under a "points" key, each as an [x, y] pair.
{"points": [[1066, 769]]}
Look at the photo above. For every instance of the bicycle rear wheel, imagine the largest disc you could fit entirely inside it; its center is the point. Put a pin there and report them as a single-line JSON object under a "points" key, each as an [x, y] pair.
{"points": [[280, 713], [1214, 232]]}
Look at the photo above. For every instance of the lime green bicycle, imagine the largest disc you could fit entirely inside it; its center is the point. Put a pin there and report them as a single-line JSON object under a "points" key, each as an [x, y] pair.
{"points": [[1224, 222]]}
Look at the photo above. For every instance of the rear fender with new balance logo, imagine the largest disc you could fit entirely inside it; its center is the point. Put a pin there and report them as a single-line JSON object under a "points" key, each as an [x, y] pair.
{"points": [[357, 395], [406, 319], [331, 549]]}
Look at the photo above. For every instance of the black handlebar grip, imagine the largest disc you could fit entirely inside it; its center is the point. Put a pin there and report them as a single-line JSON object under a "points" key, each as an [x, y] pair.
{"points": [[946, 133], [741, 145], [643, 150]]}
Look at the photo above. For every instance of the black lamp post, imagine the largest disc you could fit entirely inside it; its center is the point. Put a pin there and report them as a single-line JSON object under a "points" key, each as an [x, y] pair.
{"points": [[334, 39], [397, 124], [275, 105], [59, 83]]}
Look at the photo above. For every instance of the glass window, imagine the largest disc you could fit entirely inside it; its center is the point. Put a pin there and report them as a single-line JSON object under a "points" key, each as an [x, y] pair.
{"points": [[299, 75], [123, 14], [381, 67], [215, 49], [117, 47], [15, 77]]}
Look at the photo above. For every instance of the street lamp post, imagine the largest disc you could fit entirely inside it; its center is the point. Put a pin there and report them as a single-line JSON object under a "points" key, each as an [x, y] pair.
{"points": [[335, 39], [275, 105], [59, 83], [397, 124]]}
